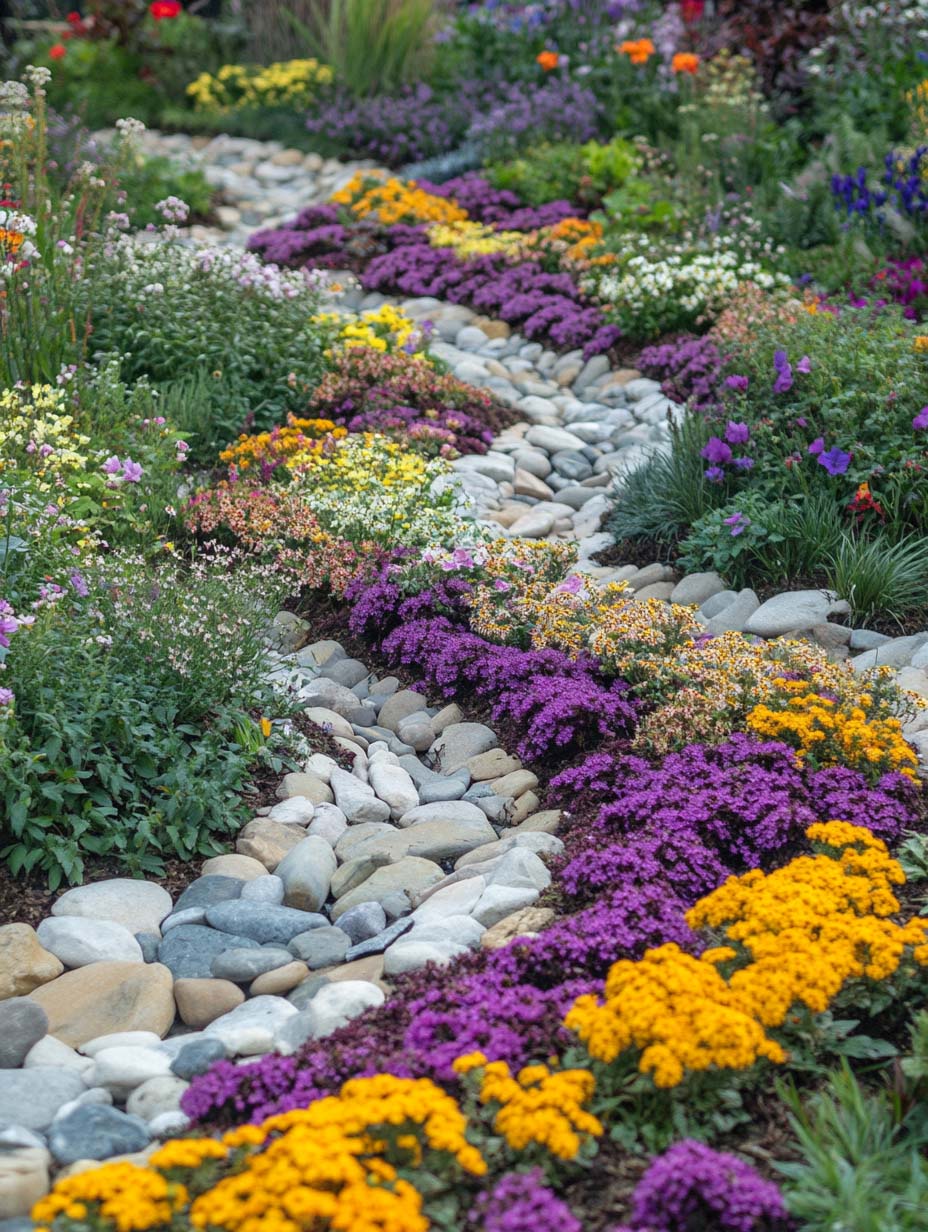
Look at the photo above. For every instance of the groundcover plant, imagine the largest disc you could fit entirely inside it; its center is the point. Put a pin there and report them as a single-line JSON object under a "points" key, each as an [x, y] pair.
{"points": [[463, 619]]}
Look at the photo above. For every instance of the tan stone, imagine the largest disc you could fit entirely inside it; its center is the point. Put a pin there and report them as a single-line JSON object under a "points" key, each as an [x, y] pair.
{"points": [[307, 784], [525, 923], [370, 968], [449, 714], [245, 868], [492, 329], [108, 997], [622, 376], [546, 821], [200, 1001], [268, 841], [506, 517], [24, 962], [527, 484], [515, 784], [411, 873], [23, 1179], [287, 158], [491, 765], [524, 807], [278, 983]]}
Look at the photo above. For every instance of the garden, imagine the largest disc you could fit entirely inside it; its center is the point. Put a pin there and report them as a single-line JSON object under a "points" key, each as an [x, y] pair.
{"points": [[430, 433]]}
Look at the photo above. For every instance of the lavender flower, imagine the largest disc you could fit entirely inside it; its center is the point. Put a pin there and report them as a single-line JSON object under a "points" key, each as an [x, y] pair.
{"points": [[835, 461], [521, 1202]]}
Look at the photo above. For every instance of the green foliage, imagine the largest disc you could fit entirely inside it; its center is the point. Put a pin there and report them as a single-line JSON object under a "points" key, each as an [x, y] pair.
{"points": [[374, 46], [878, 576], [562, 170], [660, 499], [122, 741], [862, 1167], [146, 181]]}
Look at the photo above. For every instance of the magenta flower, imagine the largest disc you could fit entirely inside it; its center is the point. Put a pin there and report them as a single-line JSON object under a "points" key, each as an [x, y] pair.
{"points": [[80, 586], [921, 419], [784, 373], [112, 466], [817, 446], [572, 585], [804, 365], [6, 697], [737, 382], [716, 451], [835, 461], [737, 433]]}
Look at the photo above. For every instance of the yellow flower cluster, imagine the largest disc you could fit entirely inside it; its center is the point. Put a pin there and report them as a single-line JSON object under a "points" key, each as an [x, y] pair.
{"points": [[574, 240], [389, 201], [362, 461], [795, 936], [537, 1106], [297, 437], [678, 1011], [382, 329], [37, 434], [124, 1196], [287, 83], [334, 1165], [634, 637], [477, 239], [826, 733]]}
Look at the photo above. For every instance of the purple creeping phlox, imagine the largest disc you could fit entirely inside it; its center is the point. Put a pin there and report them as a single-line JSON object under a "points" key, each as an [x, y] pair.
{"points": [[920, 422], [784, 379]]}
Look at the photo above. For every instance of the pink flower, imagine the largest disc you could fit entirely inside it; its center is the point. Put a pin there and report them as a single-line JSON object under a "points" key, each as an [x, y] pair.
{"points": [[112, 466], [131, 471]]}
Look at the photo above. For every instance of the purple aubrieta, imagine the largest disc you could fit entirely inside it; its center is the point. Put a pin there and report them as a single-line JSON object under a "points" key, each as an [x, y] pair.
{"points": [[920, 422], [716, 452], [737, 433]]}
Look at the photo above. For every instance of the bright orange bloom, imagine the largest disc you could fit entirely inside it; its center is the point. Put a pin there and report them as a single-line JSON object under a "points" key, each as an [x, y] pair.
{"points": [[548, 60], [639, 51], [685, 62]]}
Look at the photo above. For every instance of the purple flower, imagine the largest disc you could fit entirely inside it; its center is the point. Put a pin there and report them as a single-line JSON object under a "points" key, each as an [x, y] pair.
{"points": [[737, 433], [802, 422], [817, 446], [835, 461], [80, 586], [112, 466], [804, 365], [921, 419], [744, 463], [131, 471], [784, 373], [693, 1186], [739, 522], [737, 382], [714, 474], [6, 697], [716, 451], [521, 1202]]}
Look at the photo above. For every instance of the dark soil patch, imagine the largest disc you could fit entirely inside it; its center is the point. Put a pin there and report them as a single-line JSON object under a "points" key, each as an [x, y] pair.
{"points": [[638, 552]]}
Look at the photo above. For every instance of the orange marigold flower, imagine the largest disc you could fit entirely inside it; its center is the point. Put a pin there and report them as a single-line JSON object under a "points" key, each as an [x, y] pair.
{"points": [[685, 62], [639, 51], [548, 60]]}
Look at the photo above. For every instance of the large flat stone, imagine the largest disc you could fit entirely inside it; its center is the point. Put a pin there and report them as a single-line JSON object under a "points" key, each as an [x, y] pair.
{"points": [[107, 997]]}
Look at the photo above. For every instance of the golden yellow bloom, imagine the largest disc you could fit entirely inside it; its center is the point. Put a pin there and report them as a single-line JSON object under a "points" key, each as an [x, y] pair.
{"points": [[388, 200]]}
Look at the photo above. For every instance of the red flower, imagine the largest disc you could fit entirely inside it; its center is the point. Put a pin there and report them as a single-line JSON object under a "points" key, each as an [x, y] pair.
{"points": [[57, 51], [692, 10], [161, 9], [74, 19]]}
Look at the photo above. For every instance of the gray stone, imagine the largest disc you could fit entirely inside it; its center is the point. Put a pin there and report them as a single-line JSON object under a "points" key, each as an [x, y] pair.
{"points": [[13, 1135], [76, 941], [400, 706], [383, 939], [329, 695], [520, 869], [265, 889], [241, 966], [122, 1068], [552, 440], [190, 915], [251, 1028], [356, 799], [895, 653], [572, 465], [417, 730], [411, 955], [696, 588], [197, 1056], [447, 810], [139, 906], [347, 672], [22, 1024], [36, 1094], [332, 1007], [735, 615], [322, 947], [306, 871], [262, 922], [96, 1131], [156, 1097], [438, 839], [867, 639], [717, 603], [459, 742], [148, 944], [441, 789], [363, 922], [794, 610], [409, 874], [393, 785], [329, 823], [209, 890], [188, 951], [498, 901], [288, 632]]}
